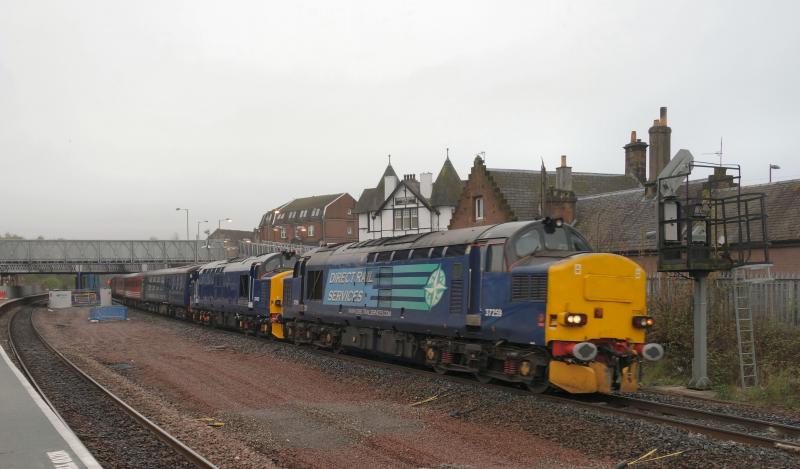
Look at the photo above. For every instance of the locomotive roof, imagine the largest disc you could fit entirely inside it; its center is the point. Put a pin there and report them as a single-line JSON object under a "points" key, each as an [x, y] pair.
{"points": [[424, 240], [174, 270], [239, 264]]}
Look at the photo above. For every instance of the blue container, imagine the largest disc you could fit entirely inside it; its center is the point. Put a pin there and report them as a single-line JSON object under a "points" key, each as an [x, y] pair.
{"points": [[108, 313]]}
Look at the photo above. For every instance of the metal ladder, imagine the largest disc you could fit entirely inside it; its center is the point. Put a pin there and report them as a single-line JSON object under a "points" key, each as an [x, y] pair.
{"points": [[744, 329]]}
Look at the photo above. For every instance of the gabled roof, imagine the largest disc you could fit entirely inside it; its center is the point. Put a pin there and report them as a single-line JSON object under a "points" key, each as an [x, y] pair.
{"points": [[298, 205], [626, 221], [413, 186], [371, 199], [447, 187], [522, 188]]}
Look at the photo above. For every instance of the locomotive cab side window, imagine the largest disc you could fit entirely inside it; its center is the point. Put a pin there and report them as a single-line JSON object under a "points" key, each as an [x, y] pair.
{"points": [[495, 258]]}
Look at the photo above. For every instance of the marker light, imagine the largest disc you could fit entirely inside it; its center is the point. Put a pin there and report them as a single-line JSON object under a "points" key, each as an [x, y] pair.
{"points": [[643, 322]]}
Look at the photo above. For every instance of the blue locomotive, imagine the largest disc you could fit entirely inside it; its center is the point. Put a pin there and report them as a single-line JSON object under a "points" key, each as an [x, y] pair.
{"points": [[521, 302], [524, 302]]}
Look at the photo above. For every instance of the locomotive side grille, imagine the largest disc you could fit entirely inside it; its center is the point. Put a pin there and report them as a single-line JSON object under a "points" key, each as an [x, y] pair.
{"points": [[287, 293], [456, 296], [529, 287]]}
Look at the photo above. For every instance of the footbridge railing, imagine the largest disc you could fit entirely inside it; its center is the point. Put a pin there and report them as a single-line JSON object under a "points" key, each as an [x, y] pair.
{"points": [[102, 256]]}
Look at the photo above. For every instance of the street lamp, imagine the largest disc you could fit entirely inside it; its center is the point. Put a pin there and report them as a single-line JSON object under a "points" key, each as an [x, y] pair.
{"points": [[771, 167], [197, 238], [187, 221], [219, 222]]}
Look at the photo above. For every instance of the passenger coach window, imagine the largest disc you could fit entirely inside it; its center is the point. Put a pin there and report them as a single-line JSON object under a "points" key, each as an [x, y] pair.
{"points": [[437, 252], [495, 258], [314, 285]]}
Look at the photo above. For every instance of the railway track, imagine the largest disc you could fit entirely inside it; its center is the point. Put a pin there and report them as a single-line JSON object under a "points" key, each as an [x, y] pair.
{"points": [[719, 426], [115, 433]]}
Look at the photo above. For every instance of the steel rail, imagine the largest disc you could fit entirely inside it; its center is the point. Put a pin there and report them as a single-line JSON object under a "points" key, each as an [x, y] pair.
{"points": [[179, 447], [688, 412]]}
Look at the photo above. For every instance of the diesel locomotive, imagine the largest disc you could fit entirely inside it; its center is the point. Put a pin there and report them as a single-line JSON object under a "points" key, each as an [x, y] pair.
{"points": [[520, 302]]}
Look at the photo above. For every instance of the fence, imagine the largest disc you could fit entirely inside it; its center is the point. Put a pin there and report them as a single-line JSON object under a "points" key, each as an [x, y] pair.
{"points": [[257, 249], [771, 299]]}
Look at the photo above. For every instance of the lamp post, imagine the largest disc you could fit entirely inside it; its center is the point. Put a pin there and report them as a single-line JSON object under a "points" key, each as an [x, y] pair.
{"points": [[197, 238], [219, 222], [771, 167], [187, 221]]}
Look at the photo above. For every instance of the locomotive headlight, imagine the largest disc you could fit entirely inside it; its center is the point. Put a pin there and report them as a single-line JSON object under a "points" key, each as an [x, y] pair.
{"points": [[574, 319]]}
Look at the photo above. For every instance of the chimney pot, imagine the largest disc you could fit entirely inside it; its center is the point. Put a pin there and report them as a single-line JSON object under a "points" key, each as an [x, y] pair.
{"points": [[563, 161], [633, 136], [663, 115], [656, 122]]}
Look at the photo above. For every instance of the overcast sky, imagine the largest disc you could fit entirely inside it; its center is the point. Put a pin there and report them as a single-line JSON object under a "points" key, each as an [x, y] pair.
{"points": [[112, 114]]}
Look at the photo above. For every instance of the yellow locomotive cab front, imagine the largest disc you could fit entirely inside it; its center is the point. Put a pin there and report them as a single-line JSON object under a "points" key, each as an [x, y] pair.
{"points": [[596, 323]]}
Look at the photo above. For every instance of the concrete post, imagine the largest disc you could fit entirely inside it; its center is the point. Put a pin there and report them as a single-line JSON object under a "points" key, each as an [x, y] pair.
{"points": [[700, 361]]}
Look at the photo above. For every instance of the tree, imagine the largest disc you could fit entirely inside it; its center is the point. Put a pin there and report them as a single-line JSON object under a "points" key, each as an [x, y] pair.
{"points": [[11, 236]]}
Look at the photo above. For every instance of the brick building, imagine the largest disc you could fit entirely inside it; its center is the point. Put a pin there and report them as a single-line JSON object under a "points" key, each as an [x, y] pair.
{"points": [[396, 207], [316, 220], [500, 195], [231, 239]]}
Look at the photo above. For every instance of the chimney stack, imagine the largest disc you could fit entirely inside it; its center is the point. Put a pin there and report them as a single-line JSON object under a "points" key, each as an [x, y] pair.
{"points": [[426, 185], [389, 184], [564, 175], [660, 136], [636, 158]]}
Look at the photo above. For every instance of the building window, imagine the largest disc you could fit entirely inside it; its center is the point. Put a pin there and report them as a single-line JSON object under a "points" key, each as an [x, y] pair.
{"points": [[349, 211], [349, 230], [283, 233], [310, 230], [478, 208], [406, 219]]}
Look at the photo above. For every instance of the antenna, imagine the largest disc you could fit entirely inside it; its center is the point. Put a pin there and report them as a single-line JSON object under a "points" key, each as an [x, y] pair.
{"points": [[390, 159], [448, 152], [718, 153]]}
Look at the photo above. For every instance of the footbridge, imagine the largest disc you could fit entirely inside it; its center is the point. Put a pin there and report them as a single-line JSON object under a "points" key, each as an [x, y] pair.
{"points": [[102, 256]]}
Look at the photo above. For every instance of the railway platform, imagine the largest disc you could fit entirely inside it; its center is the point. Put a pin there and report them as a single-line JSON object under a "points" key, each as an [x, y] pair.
{"points": [[31, 434]]}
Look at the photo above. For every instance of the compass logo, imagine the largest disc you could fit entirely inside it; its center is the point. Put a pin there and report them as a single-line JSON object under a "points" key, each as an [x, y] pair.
{"points": [[434, 289]]}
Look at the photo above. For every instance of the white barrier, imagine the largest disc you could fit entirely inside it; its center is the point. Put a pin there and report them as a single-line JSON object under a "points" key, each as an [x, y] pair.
{"points": [[60, 299]]}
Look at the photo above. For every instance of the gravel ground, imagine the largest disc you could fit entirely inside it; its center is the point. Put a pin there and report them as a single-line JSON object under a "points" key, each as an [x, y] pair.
{"points": [[112, 436], [298, 408], [288, 406]]}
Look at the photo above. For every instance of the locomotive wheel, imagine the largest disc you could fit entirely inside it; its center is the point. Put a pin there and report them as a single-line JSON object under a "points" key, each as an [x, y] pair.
{"points": [[540, 383], [483, 379]]}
